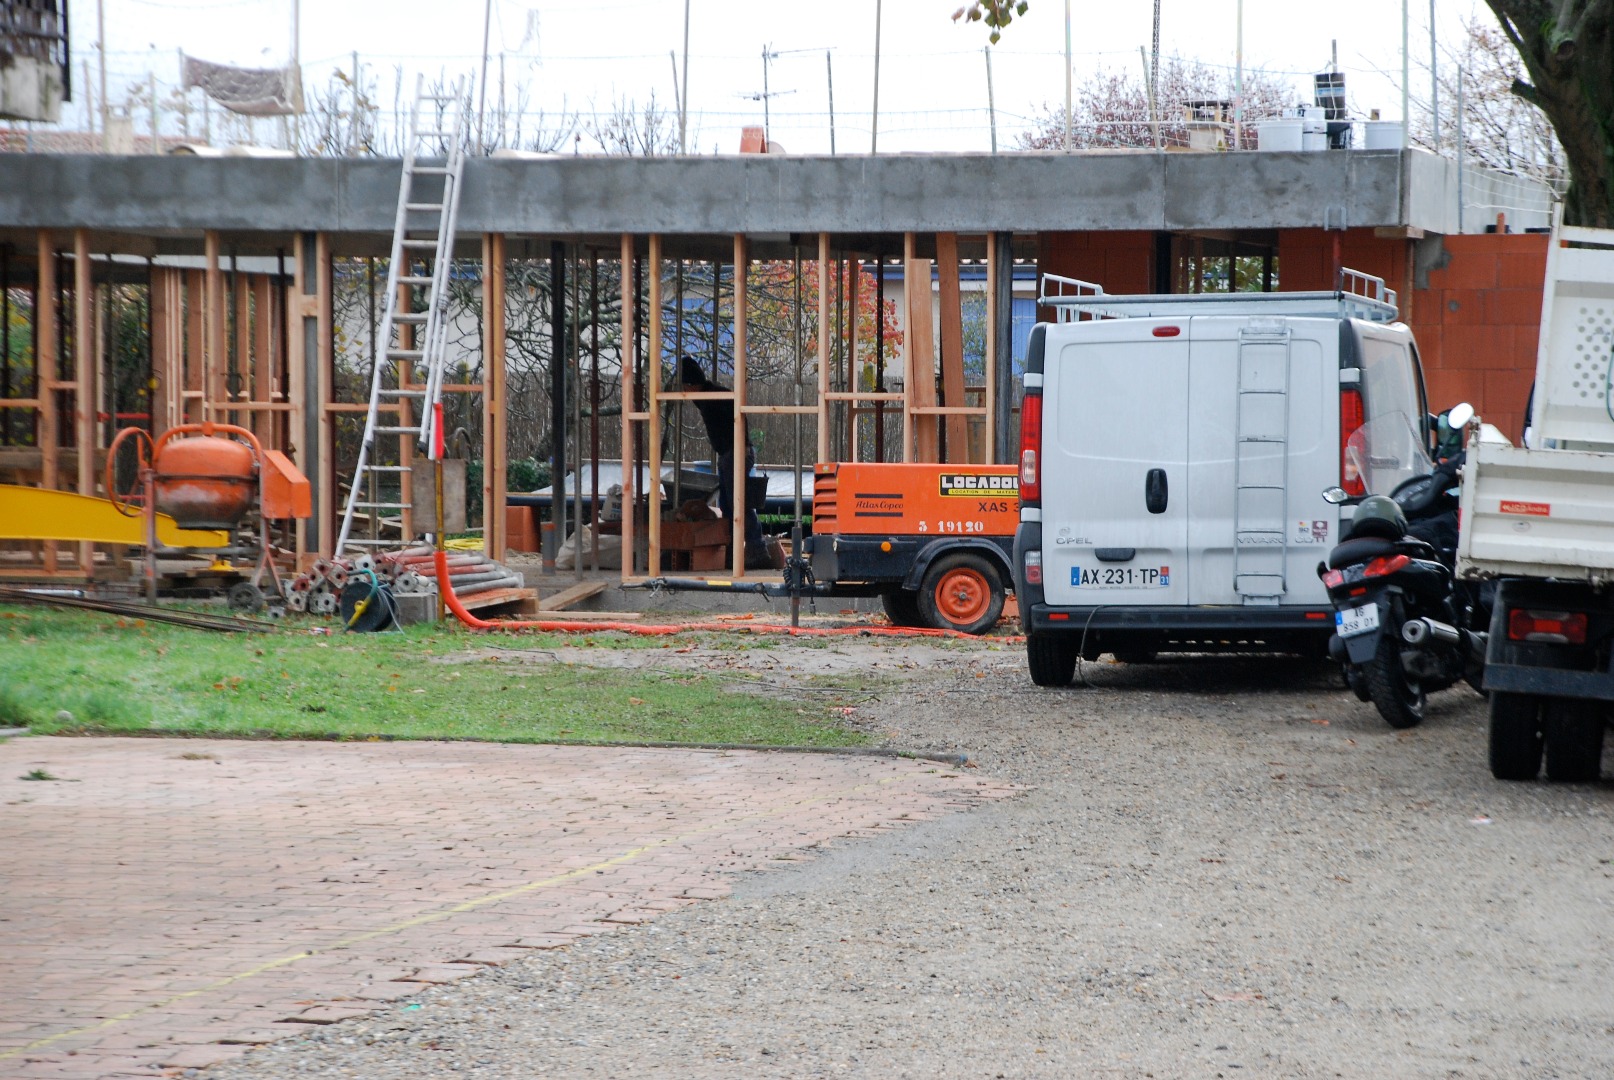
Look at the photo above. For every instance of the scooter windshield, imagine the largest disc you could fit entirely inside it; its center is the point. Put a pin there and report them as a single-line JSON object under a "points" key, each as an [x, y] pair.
{"points": [[1384, 452]]}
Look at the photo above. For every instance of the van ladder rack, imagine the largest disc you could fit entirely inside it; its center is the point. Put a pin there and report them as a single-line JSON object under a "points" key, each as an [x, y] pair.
{"points": [[1358, 296]]}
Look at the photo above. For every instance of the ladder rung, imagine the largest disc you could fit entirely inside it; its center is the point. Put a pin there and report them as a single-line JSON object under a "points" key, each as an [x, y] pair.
{"points": [[410, 279], [422, 207], [361, 541], [387, 468], [430, 170], [382, 506], [411, 243], [405, 354], [389, 392], [391, 430], [411, 317]]}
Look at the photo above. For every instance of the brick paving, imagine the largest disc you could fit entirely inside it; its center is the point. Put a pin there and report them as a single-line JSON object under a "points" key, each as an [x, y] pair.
{"points": [[167, 904]]}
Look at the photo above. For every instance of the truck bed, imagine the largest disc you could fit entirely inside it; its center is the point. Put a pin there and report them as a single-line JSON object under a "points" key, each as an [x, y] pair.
{"points": [[1537, 513]]}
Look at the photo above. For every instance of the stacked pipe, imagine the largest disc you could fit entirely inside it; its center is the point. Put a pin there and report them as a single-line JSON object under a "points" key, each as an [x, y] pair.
{"points": [[410, 570], [471, 571]]}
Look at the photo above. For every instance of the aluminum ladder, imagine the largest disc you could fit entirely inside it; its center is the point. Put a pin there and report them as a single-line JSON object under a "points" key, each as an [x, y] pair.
{"points": [[1261, 464], [417, 300]]}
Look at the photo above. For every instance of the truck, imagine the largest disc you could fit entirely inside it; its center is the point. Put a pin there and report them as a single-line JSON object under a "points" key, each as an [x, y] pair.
{"points": [[1174, 450], [931, 540], [1538, 520]]}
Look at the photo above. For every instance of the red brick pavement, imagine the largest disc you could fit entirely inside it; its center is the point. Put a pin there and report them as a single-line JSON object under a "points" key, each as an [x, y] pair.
{"points": [[166, 904]]}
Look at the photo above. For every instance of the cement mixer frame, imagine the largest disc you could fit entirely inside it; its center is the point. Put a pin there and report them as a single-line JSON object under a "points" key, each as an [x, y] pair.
{"points": [[215, 491]]}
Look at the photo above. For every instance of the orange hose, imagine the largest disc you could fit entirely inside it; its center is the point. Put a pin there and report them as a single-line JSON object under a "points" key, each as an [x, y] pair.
{"points": [[446, 585]]}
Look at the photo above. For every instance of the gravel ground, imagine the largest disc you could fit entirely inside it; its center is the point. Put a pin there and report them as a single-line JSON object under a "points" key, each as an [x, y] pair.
{"points": [[1223, 867]]}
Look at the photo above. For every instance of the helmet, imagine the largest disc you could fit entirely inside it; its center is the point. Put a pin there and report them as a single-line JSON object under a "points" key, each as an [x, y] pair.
{"points": [[1381, 516]]}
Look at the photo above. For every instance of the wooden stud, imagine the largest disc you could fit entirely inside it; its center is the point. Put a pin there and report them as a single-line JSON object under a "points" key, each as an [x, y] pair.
{"points": [[952, 346], [991, 358], [85, 427], [214, 396], [264, 423], [494, 421], [823, 347], [629, 406], [191, 397], [653, 406], [737, 498], [326, 367], [47, 345], [923, 442]]}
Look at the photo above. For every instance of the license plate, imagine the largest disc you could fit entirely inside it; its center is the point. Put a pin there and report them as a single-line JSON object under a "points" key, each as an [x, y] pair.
{"points": [[1357, 620], [1120, 577]]}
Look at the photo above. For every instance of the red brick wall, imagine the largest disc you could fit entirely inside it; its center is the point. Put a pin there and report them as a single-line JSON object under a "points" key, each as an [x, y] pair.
{"points": [[1122, 262], [1478, 323]]}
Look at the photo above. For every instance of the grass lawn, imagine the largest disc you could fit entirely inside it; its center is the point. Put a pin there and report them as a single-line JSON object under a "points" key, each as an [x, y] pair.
{"points": [[82, 672]]}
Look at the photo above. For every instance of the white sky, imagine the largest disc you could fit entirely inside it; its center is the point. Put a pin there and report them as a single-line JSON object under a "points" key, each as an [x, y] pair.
{"points": [[933, 78]]}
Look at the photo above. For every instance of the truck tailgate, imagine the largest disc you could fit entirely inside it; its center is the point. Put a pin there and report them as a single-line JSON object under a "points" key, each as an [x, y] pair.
{"points": [[1537, 513]]}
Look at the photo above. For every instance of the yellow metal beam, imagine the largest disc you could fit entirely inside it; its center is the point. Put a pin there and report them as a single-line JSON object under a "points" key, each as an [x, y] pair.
{"points": [[30, 513]]}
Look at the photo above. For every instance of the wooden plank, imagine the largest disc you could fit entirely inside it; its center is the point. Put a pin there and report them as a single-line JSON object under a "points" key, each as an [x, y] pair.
{"points": [[952, 346], [990, 440], [653, 395], [924, 440], [571, 595], [823, 348], [46, 359], [193, 390], [630, 405], [495, 443], [497, 598], [742, 266], [85, 398]]}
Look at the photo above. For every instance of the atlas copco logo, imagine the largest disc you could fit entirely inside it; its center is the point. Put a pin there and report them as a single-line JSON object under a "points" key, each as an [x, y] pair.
{"points": [[968, 484]]}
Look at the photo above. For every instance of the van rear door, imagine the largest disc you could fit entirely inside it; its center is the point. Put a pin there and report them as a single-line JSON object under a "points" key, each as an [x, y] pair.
{"points": [[1115, 463]]}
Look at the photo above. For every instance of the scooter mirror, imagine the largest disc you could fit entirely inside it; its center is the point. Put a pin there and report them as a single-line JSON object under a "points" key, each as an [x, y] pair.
{"points": [[1458, 416], [1335, 495]]}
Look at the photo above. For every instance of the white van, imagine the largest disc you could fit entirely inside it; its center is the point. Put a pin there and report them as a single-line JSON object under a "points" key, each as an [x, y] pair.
{"points": [[1174, 451]]}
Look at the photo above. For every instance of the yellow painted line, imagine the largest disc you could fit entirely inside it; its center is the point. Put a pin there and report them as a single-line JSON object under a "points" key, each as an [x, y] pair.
{"points": [[458, 909]]}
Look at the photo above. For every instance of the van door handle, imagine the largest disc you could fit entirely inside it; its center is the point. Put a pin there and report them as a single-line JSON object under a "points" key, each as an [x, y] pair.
{"points": [[1115, 554], [1154, 491]]}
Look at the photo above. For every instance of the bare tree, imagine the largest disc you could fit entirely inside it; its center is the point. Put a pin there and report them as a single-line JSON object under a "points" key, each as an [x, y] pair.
{"points": [[626, 128], [1111, 109], [1567, 47], [1499, 129]]}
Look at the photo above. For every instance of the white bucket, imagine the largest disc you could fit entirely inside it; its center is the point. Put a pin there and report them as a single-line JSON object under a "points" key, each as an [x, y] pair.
{"points": [[1314, 140], [1279, 134], [1381, 134]]}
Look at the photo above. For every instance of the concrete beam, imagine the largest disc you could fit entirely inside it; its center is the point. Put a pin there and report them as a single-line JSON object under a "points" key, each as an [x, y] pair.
{"points": [[258, 202]]}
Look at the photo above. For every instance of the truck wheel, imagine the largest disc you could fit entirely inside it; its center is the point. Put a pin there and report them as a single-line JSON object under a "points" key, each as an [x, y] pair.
{"points": [[1399, 698], [1052, 658], [1515, 736], [961, 592], [901, 607], [1574, 737]]}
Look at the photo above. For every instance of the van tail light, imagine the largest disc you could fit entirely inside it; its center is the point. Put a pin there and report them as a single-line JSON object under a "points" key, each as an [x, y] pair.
{"points": [[1030, 447], [1557, 627], [1351, 417], [1034, 567], [1384, 567]]}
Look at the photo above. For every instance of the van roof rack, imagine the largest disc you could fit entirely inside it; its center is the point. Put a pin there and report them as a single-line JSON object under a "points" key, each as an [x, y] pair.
{"points": [[1357, 296]]}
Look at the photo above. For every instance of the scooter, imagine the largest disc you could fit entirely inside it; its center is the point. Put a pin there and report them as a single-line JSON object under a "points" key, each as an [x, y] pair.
{"points": [[1405, 627]]}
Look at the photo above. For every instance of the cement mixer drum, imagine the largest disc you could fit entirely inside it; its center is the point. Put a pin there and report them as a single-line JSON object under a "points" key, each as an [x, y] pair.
{"points": [[206, 482]]}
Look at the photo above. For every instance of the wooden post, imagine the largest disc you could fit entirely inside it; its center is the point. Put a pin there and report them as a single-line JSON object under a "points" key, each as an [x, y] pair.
{"points": [[952, 346], [854, 295], [495, 424], [214, 396], [85, 403], [824, 404], [325, 462], [192, 397], [629, 406], [923, 442], [47, 358], [989, 439], [737, 530], [263, 359], [653, 407], [167, 347]]}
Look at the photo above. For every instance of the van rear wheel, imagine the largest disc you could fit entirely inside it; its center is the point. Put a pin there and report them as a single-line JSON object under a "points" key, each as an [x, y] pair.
{"points": [[1052, 658], [961, 592]]}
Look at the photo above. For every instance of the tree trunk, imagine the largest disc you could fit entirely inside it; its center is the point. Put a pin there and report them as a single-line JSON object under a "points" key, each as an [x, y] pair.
{"points": [[1568, 49]]}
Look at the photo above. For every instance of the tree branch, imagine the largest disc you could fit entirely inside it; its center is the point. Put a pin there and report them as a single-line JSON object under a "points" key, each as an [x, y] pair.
{"points": [[1525, 92]]}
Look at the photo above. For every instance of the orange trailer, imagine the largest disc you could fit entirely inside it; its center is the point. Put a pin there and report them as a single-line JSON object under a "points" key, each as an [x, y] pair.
{"points": [[934, 542]]}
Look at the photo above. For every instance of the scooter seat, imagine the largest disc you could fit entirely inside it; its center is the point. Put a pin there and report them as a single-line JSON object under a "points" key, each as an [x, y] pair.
{"points": [[1360, 550]]}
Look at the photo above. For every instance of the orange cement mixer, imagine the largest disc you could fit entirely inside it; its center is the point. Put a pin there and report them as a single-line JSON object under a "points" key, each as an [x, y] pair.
{"points": [[212, 476]]}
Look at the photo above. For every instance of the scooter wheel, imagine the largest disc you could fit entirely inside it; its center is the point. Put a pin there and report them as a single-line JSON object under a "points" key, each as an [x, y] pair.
{"points": [[1398, 697]]}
